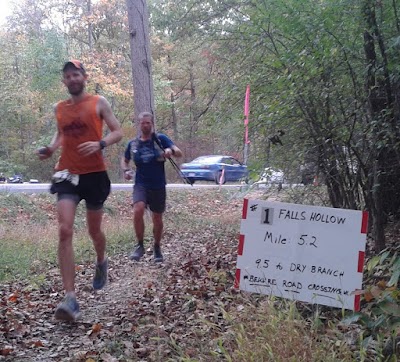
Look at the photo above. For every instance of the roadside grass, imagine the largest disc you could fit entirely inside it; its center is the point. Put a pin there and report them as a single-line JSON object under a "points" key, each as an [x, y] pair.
{"points": [[248, 327], [25, 252], [29, 234]]}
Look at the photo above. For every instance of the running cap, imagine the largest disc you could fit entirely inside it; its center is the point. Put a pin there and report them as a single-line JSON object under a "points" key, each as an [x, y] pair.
{"points": [[76, 64]]}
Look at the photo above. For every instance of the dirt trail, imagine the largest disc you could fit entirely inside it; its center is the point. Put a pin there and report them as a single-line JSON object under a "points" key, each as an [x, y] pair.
{"points": [[122, 316]]}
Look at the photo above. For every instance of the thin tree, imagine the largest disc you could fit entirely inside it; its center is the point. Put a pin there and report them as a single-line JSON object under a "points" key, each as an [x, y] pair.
{"points": [[138, 20]]}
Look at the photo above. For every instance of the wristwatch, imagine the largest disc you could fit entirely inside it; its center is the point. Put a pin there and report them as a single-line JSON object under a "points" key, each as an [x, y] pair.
{"points": [[103, 144]]}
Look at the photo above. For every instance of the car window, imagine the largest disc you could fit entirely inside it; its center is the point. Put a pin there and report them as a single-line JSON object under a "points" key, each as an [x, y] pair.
{"points": [[207, 160], [227, 160], [235, 162]]}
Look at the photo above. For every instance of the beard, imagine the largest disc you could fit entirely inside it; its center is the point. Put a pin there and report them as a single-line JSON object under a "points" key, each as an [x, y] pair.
{"points": [[147, 132], [76, 89]]}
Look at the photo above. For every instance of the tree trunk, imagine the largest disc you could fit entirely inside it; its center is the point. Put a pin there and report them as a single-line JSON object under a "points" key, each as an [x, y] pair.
{"points": [[138, 19], [90, 25], [385, 199], [174, 118]]}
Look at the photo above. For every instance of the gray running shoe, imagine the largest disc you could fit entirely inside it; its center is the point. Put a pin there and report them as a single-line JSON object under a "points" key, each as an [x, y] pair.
{"points": [[137, 253], [100, 276], [158, 257], [68, 310]]}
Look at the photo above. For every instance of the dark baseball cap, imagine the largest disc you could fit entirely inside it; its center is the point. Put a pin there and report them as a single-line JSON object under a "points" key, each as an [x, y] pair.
{"points": [[75, 64]]}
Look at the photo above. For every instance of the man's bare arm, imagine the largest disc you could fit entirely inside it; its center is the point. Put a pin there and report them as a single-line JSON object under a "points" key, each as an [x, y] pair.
{"points": [[124, 163], [172, 151], [128, 175], [47, 151], [106, 114], [177, 151]]}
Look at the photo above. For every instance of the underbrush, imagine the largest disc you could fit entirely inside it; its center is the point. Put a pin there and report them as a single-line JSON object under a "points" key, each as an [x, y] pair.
{"points": [[269, 329]]}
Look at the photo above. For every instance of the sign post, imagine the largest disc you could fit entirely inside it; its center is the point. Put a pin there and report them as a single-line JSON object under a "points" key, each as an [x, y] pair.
{"points": [[306, 253]]}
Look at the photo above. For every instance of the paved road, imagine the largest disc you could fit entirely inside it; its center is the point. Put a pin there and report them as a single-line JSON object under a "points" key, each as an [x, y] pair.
{"points": [[42, 188]]}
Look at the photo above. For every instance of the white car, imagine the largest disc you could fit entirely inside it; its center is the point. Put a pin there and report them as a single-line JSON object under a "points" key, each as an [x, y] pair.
{"points": [[271, 177]]}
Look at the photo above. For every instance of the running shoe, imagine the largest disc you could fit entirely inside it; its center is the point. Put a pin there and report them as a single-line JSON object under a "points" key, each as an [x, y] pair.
{"points": [[137, 253], [100, 276], [68, 310]]}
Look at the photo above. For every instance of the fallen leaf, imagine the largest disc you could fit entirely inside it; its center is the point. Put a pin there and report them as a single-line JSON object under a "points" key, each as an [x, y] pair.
{"points": [[6, 351], [368, 296], [97, 327], [37, 344], [13, 297], [382, 284]]}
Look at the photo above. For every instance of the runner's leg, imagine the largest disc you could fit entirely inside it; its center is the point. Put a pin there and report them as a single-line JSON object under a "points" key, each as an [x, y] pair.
{"points": [[138, 220], [66, 209], [94, 219], [157, 199], [158, 227]]}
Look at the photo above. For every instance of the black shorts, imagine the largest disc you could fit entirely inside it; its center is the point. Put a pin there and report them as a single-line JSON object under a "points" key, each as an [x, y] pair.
{"points": [[93, 187], [154, 198]]}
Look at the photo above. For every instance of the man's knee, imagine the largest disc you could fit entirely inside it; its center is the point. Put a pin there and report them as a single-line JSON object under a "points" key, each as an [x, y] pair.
{"points": [[138, 208], [157, 218], [65, 232]]}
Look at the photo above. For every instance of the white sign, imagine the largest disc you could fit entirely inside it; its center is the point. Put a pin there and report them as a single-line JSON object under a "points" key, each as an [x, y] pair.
{"points": [[306, 253]]}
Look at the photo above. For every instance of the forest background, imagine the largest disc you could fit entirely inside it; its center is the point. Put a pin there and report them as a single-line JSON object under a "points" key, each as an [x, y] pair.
{"points": [[324, 78]]}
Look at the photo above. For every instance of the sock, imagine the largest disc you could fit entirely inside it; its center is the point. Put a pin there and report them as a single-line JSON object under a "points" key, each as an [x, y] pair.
{"points": [[101, 262], [70, 294]]}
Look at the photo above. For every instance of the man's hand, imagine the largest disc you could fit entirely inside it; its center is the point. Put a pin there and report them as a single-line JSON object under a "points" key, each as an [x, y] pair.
{"points": [[128, 175], [168, 153], [44, 153], [87, 148]]}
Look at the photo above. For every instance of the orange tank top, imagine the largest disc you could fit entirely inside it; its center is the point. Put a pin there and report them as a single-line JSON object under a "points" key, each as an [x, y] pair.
{"points": [[79, 123]]}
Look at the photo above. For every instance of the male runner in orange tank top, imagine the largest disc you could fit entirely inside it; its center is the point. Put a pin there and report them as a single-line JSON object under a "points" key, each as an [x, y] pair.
{"points": [[81, 174]]}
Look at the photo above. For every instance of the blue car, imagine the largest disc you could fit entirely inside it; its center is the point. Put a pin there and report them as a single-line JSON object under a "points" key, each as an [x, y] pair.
{"points": [[218, 169]]}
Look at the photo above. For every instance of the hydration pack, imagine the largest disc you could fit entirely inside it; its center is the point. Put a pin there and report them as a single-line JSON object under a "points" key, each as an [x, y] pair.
{"points": [[157, 146]]}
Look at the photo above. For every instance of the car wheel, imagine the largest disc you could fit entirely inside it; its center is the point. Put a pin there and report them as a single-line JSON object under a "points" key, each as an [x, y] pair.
{"points": [[191, 180], [218, 178]]}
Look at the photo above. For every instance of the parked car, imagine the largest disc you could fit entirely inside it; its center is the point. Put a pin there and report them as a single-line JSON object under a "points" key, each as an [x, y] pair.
{"points": [[271, 176], [215, 168], [16, 179]]}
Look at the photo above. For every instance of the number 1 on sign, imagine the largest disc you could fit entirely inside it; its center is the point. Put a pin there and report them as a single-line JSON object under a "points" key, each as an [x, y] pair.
{"points": [[266, 218]]}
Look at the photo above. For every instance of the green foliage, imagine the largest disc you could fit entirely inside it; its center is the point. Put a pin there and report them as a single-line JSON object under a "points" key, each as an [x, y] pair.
{"points": [[299, 77], [380, 315], [46, 56], [9, 169]]}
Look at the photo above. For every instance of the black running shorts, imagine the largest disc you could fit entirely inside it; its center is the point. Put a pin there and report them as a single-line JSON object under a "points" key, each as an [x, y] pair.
{"points": [[93, 187]]}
